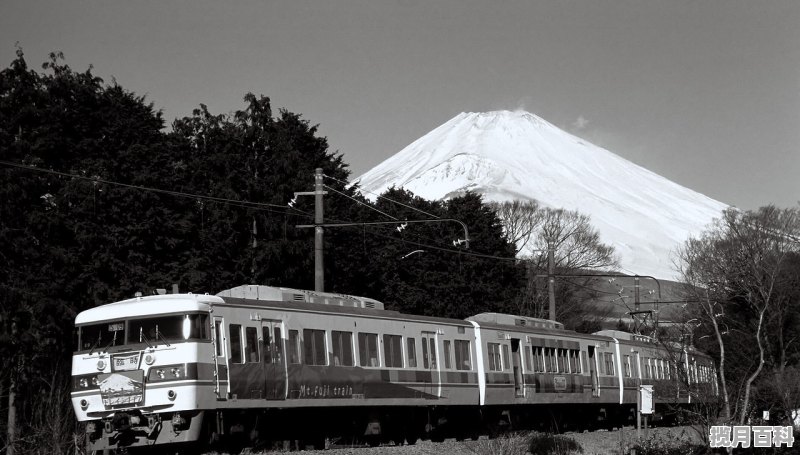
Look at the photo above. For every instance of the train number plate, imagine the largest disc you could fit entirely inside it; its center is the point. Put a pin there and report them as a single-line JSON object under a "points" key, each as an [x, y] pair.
{"points": [[125, 362]]}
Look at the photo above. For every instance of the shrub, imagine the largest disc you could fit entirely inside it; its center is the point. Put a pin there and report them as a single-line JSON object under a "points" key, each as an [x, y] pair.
{"points": [[550, 444]]}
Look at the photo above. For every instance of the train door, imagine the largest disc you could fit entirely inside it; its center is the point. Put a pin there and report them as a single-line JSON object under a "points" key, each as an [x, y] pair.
{"points": [[221, 379], [516, 362], [430, 361], [273, 360], [593, 371]]}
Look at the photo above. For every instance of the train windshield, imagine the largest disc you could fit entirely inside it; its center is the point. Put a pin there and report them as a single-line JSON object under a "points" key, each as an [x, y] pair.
{"points": [[148, 331]]}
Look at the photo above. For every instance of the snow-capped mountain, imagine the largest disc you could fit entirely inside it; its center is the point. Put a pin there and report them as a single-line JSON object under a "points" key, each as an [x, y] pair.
{"points": [[508, 155]]}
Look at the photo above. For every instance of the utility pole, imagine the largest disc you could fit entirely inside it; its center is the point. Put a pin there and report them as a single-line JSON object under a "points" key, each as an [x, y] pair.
{"points": [[551, 280], [319, 270]]}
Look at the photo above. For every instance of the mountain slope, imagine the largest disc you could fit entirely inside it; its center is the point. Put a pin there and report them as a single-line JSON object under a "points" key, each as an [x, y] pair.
{"points": [[508, 155]]}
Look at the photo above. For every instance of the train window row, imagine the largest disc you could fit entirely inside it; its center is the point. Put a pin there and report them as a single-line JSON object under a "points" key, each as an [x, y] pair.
{"points": [[553, 360], [311, 348]]}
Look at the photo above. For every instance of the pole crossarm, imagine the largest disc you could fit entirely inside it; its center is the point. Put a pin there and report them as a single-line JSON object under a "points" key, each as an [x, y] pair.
{"points": [[465, 240]]}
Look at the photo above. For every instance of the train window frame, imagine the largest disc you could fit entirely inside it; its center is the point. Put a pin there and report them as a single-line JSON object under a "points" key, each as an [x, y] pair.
{"points": [[626, 362], [528, 364], [218, 338], [493, 354], [367, 345], [561, 356], [251, 354], [551, 360], [574, 360], [448, 360], [538, 359], [393, 350], [342, 347], [506, 358], [429, 351], [411, 352], [235, 339], [462, 349], [608, 362], [315, 352], [294, 347]]}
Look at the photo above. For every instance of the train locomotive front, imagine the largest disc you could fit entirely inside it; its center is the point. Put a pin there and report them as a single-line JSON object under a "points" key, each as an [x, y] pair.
{"points": [[144, 371]]}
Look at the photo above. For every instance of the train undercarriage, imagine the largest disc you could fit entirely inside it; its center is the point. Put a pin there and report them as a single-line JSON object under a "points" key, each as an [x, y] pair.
{"points": [[298, 428]]}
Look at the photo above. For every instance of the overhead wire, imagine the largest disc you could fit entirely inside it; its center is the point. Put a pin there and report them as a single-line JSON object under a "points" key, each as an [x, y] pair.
{"points": [[359, 202], [382, 197], [263, 206]]}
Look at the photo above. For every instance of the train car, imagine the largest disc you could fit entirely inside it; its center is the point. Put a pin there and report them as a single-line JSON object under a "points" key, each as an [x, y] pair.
{"points": [[256, 364]]}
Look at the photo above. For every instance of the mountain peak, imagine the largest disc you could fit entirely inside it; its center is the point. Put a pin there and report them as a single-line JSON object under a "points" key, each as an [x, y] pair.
{"points": [[517, 155]]}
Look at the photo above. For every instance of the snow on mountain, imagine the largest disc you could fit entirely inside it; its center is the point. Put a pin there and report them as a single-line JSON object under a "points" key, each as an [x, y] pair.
{"points": [[508, 155]]}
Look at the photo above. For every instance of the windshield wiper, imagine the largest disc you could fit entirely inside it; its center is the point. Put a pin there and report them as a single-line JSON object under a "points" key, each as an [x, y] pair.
{"points": [[112, 342], [96, 343], [144, 338], [159, 335]]}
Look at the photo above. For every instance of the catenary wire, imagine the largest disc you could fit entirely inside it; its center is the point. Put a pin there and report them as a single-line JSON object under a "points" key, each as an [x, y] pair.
{"points": [[383, 197], [239, 203]]}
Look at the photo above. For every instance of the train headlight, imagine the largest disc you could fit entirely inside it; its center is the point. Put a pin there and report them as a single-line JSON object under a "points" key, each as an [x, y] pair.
{"points": [[101, 365], [84, 383], [84, 405], [149, 359], [160, 373], [171, 395], [176, 372]]}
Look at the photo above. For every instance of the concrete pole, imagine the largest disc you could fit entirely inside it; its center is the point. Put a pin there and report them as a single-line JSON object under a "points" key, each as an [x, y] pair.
{"points": [[551, 280], [319, 270]]}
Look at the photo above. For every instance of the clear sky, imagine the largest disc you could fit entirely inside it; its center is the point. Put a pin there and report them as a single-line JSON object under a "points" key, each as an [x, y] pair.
{"points": [[703, 92]]}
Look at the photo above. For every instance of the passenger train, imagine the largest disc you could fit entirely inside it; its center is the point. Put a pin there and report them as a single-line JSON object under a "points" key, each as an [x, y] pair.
{"points": [[254, 365]]}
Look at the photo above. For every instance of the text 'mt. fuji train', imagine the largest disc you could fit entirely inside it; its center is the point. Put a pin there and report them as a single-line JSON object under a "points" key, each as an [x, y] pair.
{"points": [[256, 364]]}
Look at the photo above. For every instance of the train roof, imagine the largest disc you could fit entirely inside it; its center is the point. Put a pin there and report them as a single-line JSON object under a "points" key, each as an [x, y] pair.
{"points": [[278, 294], [147, 306]]}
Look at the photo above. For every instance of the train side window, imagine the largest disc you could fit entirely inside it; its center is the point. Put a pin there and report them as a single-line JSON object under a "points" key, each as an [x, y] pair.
{"points": [[494, 357], [277, 343], [432, 342], [411, 347], [314, 352], [538, 359], [393, 350], [627, 364], [425, 363], [506, 362], [218, 337], [562, 357], [268, 346], [527, 352], [294, 347], [236, 343], [551, 362], [608, 360], [448, 363], [463, 354], [342, 348], [574, 361], [251, 345], [368, 349]]}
